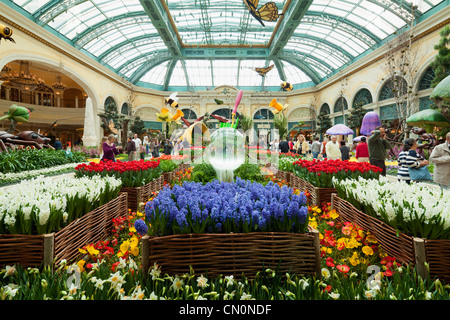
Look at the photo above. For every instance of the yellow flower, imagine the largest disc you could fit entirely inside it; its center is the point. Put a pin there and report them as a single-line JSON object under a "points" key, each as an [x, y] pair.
{"points": [[352, 244], [82, 250], [132, 229], [134, 241], [80, 265], [354, 259], [370, 238], [139, 214], [367, 250], [333, 214], [91, 249], [123, 248], [134, 250]]}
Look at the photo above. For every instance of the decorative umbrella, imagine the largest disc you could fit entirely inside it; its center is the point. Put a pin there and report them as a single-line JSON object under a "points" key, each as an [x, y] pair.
{"points": [[358, 138], [370, 121], [340, 129], [428, 119], [441, 93]]}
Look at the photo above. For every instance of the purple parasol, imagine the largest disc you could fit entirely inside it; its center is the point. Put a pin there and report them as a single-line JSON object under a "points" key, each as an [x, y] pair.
{"points": [[339, 129], [370, 121]]}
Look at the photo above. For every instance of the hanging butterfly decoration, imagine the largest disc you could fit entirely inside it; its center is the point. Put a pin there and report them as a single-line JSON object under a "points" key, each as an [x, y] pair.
{"points": [[268, 12], [172, 100], [263, 71], [286, 86]]}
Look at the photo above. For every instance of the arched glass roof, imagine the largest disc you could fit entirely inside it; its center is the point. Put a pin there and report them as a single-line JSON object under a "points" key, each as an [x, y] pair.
{"points": [[168, 44]]}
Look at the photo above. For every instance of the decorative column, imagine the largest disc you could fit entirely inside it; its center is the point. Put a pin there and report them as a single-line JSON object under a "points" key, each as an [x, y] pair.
{"points": [[89, 135]]}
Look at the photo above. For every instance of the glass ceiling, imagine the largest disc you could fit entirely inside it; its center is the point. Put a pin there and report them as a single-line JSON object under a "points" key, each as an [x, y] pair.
{"points": [[125, 38]]}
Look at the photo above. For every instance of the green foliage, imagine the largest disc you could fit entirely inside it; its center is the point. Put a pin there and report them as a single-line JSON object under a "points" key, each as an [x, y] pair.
{"points": [[138, 126], [356, 116], [323, 123], [248, 171], [441, 63], [33, 159], [167, 165], [280, 122], [203, 172]]}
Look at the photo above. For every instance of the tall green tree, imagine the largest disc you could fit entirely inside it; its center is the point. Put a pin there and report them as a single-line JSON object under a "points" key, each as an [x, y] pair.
{"points": [[280, 122], [356, 116], [441, 63], [323, 123]]}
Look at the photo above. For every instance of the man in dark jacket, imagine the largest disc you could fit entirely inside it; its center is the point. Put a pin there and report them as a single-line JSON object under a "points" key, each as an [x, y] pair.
{"points": [[378, 146], [58, 144], [130, 149], [284, 146]]}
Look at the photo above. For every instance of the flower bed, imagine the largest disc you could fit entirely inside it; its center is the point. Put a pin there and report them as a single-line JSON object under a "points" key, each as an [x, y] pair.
{"points": [[45, 205], [169, 169], [132, 173], [410, 221], [320, 173], [140, 178], [316, 176], [51, 218], [227, 222], [11, 178], [416, 209]]}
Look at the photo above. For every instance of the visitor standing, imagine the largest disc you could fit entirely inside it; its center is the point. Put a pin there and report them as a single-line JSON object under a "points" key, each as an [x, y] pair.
{"points": [[130, 149], [378, 146], [109, 149], [58, 144], [146, 144], [345, 151], [155, 148], [301, 146], [316, 148], [100, 148], [138, 143], [291, 145], [440, 156], [362, 151], [332, 149], [284, 146], [324, 147], [409, 158], [167, 147]]}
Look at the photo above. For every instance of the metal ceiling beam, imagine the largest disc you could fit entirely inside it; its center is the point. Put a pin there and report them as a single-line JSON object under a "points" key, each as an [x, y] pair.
{"points": [[186, 75], [225, 53], [320, 42], [143, 60], [340, 23], [400, 8], [107, 25], [290, 21], [323, 65], [52, 9], [161, 21], [280, 69], [310, 72], [169, 72], [129, 43]]}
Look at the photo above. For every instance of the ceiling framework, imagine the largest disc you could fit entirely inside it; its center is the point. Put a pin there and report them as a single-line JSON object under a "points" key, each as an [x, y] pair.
{"points": [[207, 42]]}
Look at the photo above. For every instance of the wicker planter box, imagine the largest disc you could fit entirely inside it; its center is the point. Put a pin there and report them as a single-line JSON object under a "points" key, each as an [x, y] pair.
{"points": [[318, 195], [34, 250], [233, 253], [404, 248], [169, 176], [137, 195], [284, 175]]}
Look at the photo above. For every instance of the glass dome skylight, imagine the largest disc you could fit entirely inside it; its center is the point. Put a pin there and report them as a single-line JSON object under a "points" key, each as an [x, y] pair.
{"points": [[207, 43]]}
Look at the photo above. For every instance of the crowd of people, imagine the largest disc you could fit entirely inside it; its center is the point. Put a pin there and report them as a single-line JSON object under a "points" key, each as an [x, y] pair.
{"points": [[374, 149]]}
